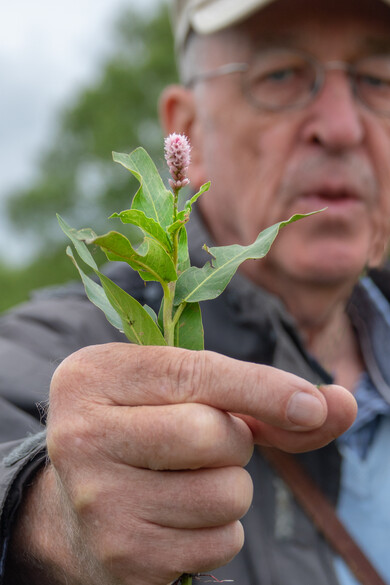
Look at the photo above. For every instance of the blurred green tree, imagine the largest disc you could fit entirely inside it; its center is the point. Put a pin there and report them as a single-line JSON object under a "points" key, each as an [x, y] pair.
{"points": [[77, 177]]}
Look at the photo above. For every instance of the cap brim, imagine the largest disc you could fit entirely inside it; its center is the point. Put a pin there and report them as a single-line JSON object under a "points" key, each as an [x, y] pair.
{"points": [[209, 17]]}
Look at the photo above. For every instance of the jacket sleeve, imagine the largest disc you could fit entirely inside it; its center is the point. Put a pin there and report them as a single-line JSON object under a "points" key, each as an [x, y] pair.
{"points": [[34, 339], [19, 461], [37, 336]]}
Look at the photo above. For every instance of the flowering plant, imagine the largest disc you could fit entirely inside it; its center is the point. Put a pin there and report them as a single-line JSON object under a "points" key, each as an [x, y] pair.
{"points": [[162, 255]]}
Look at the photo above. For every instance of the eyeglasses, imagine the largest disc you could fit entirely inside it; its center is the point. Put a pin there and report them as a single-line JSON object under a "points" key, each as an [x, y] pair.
{"points": [[282, 79]]}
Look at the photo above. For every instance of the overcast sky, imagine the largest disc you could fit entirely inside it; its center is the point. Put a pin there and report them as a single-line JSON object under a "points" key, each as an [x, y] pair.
{"points": [[48, 49]]}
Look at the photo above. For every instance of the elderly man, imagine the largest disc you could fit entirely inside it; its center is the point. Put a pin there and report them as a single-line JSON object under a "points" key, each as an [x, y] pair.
{"points": [[287, 106]]}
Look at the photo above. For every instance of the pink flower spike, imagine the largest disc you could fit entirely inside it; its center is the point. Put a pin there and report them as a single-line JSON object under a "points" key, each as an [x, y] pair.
{"points": [[178, 157]]}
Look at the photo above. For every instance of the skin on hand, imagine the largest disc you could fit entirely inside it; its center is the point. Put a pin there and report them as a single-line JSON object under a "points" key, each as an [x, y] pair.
{"points": [[149, 460]]}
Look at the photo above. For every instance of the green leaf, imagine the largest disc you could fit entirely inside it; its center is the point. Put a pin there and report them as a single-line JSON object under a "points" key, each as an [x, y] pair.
{"points": [[135, 322], [188, 204], [146, 224], [150, 257], [121, 310], [152, 197], [200, 284], [77, 237], [183, 216], [138, 325], [96, 294], [177, 225], [189, 328], [160, 318], [151, 312], [183, 255]]}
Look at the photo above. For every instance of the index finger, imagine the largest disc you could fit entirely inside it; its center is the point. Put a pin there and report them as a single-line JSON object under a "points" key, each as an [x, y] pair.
{"points": [[131, 375]]}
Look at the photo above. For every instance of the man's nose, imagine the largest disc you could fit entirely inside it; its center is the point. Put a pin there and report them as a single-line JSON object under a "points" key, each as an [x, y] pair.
{"points": [[334, 117]]}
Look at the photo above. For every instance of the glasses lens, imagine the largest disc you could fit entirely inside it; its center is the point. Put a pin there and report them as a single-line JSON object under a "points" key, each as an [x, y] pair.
{"points": [[372, 79], [280, 79]]}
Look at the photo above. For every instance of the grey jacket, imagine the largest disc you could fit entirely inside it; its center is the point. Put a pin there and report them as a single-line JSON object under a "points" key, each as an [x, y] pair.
{"points": [[282, 547]]}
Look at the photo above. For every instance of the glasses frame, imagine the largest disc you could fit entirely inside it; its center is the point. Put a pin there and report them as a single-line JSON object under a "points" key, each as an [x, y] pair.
{"points": [[320, 69]]}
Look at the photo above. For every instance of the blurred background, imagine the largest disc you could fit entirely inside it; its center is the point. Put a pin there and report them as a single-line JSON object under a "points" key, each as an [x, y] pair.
{"points": [[80, 78]]}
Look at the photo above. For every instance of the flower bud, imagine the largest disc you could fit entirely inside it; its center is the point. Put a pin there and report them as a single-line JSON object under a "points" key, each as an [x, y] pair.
{"points": [[177, 155]]}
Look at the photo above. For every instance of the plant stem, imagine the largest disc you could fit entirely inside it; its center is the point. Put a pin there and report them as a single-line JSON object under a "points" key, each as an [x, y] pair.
{"points": [[175, 253], [175, 202], [176, 235], [168, 324], [178, 313], [169, 321]]}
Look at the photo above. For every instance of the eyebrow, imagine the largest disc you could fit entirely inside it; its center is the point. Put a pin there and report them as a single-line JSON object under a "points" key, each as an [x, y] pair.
{"points": [[274, 40]]}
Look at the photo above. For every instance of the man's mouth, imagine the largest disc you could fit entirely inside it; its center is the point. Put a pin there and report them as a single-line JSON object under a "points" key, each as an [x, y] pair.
{"points": [[335, 200], [344, 185]]}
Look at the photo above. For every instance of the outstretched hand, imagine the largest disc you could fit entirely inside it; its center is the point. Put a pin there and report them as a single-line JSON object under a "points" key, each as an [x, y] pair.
{"points": [[148, 447]]}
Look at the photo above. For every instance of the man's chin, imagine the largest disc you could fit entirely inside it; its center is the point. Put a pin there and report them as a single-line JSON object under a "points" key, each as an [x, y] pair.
{"points": [[326, 257], [331, 272], [322, 266]]}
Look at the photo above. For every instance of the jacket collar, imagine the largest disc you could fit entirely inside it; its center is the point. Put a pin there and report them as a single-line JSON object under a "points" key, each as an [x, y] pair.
{"points": [[369, 311]]}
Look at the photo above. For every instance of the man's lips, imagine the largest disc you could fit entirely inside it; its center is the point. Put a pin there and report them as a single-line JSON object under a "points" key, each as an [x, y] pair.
{"points": [[340, 200]]}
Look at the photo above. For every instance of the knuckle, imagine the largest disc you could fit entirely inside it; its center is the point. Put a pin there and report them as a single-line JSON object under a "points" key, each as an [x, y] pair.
{"points": [[232, 542], [70, 375], [240, 493], [232, 497], [84, 367], [212, 549], [205, 432], [86, 498], [69, 439], [187, 370], [110, 557], [55, 446], [132, 557]]}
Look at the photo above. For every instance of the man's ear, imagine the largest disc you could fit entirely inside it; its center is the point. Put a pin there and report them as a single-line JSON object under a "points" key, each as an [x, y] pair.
{"points": [[178, 113]]}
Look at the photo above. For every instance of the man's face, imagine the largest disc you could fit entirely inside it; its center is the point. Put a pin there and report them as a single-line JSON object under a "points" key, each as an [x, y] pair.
{"points": [[334, 152]]}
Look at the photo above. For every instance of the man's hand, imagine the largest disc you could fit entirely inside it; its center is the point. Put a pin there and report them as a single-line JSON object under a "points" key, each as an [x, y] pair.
{"points": [[146, 476]]}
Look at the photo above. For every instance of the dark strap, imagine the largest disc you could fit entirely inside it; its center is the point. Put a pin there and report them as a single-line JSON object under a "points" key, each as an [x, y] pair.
{"points": [[322, 513]]}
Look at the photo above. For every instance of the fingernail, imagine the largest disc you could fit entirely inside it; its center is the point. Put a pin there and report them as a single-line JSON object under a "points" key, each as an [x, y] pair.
{"points": [[305, 410]]}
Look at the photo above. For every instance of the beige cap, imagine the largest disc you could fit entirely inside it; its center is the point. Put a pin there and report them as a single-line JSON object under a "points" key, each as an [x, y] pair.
{"points": [[208, 16]]}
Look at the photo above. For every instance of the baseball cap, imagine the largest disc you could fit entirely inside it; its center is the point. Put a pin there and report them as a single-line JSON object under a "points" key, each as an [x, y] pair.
{"points": [[208, 16]]}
